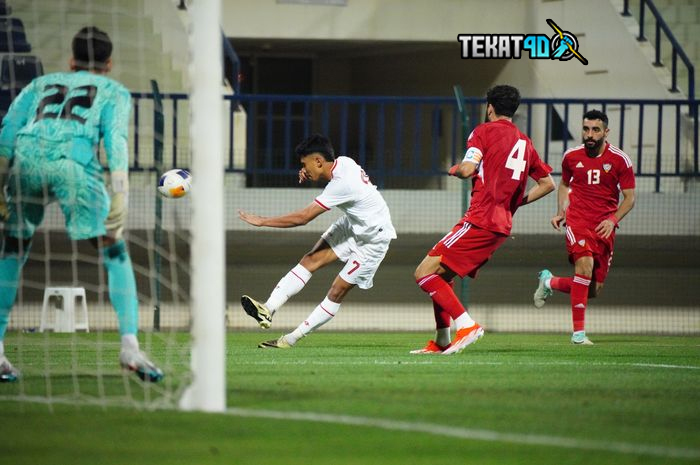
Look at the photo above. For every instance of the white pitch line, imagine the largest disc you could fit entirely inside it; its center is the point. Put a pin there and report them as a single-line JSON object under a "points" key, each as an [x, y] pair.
{"points": [[417, 427], [434, 361], [472, 433]]}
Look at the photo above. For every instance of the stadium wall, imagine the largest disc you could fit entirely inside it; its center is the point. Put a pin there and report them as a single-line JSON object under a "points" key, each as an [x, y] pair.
{"points": [[413, 211]]}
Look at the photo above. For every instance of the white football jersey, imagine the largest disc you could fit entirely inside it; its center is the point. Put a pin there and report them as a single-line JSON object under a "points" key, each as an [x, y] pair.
{"points": [[352, 192]]}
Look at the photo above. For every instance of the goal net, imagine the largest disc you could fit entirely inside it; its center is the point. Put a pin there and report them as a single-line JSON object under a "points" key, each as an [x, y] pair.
{"points": [[64, 341]]}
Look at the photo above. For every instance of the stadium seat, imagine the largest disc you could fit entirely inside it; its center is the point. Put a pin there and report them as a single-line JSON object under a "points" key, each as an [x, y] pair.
{"points": [[12, 36], [5, 9], [16, 71]]}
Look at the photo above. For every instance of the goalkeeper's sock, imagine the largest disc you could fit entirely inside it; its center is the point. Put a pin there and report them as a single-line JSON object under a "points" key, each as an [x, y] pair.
{"points": [[10, 268], [559, 284], [579, 300], [122, 287], [321, 315], [289, 285], [130, 342]]}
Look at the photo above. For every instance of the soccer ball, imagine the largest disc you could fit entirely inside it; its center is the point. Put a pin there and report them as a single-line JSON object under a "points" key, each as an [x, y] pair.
{"points": [[175, 183]]}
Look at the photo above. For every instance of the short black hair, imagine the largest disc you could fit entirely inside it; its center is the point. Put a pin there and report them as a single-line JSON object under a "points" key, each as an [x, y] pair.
{"points": [[316, 143], [92, 48], [596, 114], [504, 99]]}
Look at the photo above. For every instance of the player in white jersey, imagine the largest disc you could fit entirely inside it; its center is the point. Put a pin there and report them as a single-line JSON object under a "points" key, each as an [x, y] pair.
{"points": [[360, 238]]}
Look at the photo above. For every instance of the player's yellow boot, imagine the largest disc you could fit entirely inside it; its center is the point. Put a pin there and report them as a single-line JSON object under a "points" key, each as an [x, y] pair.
{"points": [[279, 343], [257, 311]]}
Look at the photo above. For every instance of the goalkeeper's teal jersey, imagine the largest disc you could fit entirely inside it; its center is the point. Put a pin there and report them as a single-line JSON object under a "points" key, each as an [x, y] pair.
{"points": [[67, 114]]}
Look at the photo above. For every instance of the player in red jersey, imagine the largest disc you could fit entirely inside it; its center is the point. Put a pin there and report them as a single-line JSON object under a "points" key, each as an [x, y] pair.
{"points": [[592, 176], [498, 161]]}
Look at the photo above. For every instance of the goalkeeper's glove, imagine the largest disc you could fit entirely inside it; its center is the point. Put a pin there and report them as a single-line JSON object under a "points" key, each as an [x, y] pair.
{"points": [[4, 211], [119, 205]]}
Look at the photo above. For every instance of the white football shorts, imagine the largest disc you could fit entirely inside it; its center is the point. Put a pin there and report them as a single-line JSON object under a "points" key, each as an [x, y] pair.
{"points": [[361, 260]]}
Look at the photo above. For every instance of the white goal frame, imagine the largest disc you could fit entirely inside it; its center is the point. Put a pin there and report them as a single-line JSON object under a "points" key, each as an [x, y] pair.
{"points": [[207, 392]]}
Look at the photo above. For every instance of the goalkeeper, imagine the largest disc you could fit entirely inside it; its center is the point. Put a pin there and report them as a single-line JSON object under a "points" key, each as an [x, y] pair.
{"points": [[49, 146]]}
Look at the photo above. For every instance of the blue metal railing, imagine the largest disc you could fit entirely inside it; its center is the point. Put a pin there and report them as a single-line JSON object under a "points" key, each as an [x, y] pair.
{"points": [[677, 50], [408, 142]]}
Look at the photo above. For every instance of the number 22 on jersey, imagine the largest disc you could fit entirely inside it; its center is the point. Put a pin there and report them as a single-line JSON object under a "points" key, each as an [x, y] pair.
{"points": [[82, 96]]}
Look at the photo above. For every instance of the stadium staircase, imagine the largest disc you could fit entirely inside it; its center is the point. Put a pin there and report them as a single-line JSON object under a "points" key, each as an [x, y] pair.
{"points": [[683, 18]]}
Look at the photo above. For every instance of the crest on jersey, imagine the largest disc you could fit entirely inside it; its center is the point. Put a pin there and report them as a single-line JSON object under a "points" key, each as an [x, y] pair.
{"points": [[607, 167], [582, 242], [579, 165]]}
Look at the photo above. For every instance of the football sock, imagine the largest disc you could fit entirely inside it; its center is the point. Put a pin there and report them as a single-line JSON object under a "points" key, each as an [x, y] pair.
{"points": [[320, 316], [130, 342], [122, 287], [442, 336], [559, 284], [10, 267], [442, 318], [442, 322], [579, 300], [2, 348], [443, 295], [289, 285], [464, 321]]}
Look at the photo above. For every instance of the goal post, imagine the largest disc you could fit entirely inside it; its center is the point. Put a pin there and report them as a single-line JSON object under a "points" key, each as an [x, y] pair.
{"points": [[207, 390]]}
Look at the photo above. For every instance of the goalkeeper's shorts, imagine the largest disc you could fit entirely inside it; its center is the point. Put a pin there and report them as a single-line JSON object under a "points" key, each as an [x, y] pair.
{"points": [[35, 181]]}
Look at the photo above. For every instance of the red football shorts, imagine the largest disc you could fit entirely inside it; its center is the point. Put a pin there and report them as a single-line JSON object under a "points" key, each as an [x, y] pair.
{"points": [[467, 248], [584, 242]]}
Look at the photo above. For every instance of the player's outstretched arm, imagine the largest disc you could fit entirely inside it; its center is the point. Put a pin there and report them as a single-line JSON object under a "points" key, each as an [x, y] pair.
{"points": [[290, 220]]}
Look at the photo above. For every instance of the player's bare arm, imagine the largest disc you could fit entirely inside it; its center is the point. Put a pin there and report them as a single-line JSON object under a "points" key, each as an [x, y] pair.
{"points": [[290, 220], [543, 187], [562, 201], [607, 226]]}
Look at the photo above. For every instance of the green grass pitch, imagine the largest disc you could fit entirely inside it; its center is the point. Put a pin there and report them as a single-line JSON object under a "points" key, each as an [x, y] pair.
{"points": [[360, 398]]}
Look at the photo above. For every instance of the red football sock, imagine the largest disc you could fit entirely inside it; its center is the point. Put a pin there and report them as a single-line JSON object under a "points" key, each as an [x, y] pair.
{"points": [[442, 318], [442, 294], [579, 300], [561, 284]]}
